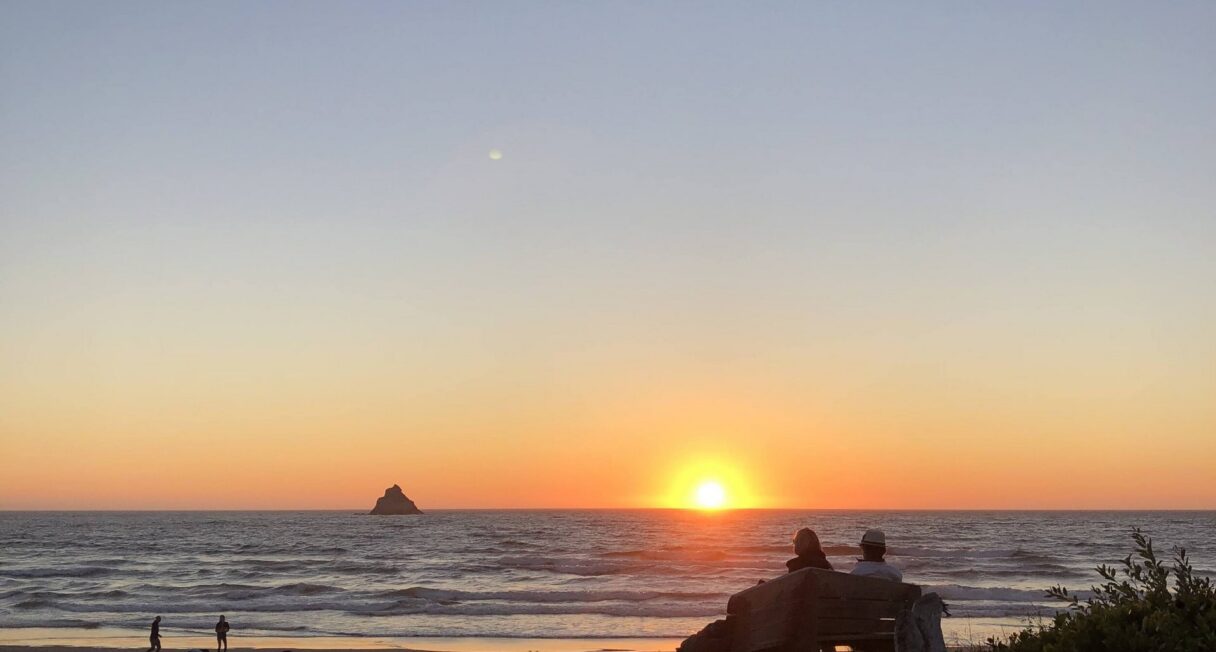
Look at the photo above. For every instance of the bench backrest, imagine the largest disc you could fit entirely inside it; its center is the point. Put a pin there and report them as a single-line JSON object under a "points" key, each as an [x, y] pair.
{"points": [[806, 609]]}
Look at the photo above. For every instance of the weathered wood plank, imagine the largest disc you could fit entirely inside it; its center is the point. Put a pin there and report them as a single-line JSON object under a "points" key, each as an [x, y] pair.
{"points": [[849, 608], [841, 585], [826, 627]]}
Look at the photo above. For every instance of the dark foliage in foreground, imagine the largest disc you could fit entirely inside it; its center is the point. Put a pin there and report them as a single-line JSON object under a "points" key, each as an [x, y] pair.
{"points": [[1134, 610]]}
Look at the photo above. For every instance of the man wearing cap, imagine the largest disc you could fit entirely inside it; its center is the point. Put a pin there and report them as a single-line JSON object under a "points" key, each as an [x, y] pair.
{"points": [[873, 547]]}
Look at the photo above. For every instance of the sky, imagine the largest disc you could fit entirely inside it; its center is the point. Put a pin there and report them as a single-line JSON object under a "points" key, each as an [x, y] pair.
{"points": [[830, 255]]}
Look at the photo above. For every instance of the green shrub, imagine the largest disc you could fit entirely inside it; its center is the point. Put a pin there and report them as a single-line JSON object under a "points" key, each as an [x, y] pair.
{"points": [[1134, 610]]}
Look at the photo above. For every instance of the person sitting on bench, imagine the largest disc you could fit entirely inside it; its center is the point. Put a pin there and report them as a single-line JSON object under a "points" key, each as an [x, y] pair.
{"points": [[873, 547], [810, 553]]}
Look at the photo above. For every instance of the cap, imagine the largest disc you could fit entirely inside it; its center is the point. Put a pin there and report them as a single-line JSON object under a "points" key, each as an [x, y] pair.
{"points": [[874, 538]]}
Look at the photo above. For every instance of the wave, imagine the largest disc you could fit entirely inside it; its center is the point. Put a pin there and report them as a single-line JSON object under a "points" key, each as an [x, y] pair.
{"points": [[230, 591], [1002, 594], [1056, 572], [515, 543], [267, 549], [305, 588], [782, 549], [77, 571], [206, 606], [425, 607], [955, 553], [54, 623], [542, 597], [415, 606], [570, 566], [635, 562], [36, 599], [669, 555], [344, 566], [109, 561], [300, 588], [274, 564], [378, 568]]}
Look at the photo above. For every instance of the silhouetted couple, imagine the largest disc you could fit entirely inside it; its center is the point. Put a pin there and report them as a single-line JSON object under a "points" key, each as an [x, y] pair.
{"points": [[221, 635], [873, 549]]}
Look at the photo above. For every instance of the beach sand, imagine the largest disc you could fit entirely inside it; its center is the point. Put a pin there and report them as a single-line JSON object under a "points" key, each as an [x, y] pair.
{"points": [[56, 640], [431, 645], [959, 636], [53, 640], [584, 647], [82, 648]]}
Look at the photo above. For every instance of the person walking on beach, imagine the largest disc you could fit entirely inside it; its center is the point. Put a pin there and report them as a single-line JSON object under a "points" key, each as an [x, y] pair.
{"points": [[221, 634], [810, 553], [873, 547], [155, 637]]}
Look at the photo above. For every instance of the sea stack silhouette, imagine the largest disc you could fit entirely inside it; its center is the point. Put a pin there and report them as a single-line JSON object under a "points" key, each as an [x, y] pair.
{"points": [[395, 502]]}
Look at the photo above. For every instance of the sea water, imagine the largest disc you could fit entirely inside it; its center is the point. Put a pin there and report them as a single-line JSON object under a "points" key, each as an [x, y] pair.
{"points": [[589, 574]]}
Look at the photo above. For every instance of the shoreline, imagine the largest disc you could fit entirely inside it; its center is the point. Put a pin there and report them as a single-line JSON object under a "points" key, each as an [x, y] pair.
{"points": [[961, 634], [370, 645], [363, 511], [58, 640]]}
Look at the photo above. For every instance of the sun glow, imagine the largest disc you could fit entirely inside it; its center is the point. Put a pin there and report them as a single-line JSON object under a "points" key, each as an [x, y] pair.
{"points": [[710, 495], [707, 485]]}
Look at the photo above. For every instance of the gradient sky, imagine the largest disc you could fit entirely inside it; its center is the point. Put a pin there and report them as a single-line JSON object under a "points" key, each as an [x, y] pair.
{"points": [[943, 255]]}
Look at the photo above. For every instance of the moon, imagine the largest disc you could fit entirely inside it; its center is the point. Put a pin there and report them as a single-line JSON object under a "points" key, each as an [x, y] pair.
{"points": [[495, 154]]}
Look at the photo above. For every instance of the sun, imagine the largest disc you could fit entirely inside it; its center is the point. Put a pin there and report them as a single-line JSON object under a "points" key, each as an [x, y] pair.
{"points": [[709, 485], [710, 494]]}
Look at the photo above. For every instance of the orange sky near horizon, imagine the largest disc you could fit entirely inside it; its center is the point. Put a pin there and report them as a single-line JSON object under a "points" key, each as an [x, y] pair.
{"points": [[771, 446]]}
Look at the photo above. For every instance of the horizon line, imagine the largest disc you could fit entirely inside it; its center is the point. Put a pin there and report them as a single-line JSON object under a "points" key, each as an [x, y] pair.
{"points": [[364, 510]]}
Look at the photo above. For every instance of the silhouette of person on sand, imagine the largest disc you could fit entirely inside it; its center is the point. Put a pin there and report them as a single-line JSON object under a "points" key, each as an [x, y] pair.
{"points": [[810, 553], [873, 547], [155, 636], [221, 634]]}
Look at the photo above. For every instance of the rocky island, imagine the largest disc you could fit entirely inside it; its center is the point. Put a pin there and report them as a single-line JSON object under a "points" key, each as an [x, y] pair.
{"points": [[395, 502]]}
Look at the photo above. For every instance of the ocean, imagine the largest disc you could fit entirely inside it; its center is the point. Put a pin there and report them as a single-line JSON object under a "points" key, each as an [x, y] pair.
{"points": [[526, 574]]}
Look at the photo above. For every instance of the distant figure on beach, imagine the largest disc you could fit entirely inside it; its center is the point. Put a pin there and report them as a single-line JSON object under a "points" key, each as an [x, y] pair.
{"points": [[221, 634], [810, 553], [873, 547], [155, 636]]}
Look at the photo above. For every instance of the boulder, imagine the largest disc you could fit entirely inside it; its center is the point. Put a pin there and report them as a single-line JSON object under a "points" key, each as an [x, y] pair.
{"points": [[395, 502]]}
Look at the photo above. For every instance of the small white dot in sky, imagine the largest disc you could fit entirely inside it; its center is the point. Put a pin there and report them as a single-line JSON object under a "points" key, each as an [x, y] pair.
{"points": [[495, 154]]}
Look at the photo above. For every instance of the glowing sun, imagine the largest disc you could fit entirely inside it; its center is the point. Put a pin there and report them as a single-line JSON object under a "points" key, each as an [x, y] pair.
{"points": [[710, 494]]}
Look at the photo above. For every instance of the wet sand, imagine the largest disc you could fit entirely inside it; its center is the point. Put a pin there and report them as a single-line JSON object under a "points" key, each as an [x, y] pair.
{"points": [[53, 640], [83, 648], [480, 645]]}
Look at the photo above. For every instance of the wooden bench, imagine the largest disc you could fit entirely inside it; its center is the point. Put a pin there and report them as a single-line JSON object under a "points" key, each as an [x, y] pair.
{"points": [[812, 610]]}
